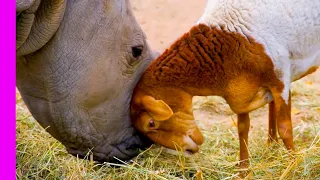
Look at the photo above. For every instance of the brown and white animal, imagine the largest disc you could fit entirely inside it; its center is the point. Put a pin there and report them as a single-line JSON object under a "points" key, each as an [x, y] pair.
{"points": [[247, 52]]}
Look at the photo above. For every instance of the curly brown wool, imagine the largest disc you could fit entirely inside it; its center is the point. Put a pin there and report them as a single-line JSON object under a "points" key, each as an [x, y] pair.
{"points": [[208, 57]]}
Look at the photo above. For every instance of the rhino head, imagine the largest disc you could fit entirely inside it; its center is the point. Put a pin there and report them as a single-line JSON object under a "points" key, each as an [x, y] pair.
{"points": [[77, 64]]}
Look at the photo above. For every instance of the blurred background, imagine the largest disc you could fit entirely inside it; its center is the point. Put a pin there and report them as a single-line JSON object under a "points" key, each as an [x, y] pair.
{"points": [[164, 21]]}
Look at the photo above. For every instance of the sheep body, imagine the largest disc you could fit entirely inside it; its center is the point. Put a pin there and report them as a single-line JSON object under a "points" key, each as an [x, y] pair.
{"points": [[246, 52], [289, 30]]}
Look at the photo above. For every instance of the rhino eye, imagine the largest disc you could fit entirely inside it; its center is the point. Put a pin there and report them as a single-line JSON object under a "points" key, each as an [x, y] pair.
{"points": [[151, 123], [137, 51]]}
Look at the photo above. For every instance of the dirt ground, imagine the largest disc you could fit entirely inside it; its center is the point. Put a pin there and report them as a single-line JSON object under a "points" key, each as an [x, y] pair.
{"points": [[164, 21]]}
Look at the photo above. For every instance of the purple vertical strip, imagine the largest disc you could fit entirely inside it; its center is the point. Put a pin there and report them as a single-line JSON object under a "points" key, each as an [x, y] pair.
{"points": [[7, 95]]}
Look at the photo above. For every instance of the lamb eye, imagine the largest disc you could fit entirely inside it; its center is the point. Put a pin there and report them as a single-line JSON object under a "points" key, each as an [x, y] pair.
{"points": [[137, 51], [151, 123]]}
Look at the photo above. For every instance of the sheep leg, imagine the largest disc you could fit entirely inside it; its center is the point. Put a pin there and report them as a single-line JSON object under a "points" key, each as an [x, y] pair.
{"points": [[283, 119], [272, 124], [243, 130]]}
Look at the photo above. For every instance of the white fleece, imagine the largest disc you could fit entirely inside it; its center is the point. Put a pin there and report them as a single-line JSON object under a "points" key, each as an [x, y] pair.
{"points": [[288, 29]]}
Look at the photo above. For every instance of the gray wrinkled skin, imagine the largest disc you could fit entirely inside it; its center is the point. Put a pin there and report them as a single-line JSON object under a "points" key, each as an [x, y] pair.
{"points": [[22, 5], [79, 83]]}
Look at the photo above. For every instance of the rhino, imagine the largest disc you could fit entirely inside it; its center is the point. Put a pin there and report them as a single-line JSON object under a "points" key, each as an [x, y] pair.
{"points": [[77, 63]]}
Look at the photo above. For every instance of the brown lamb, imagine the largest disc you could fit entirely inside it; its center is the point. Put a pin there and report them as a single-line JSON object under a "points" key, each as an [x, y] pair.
{"points": [[208, 61]]}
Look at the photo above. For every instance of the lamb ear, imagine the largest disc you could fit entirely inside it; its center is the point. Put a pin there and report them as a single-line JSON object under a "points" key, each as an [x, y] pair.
{"points": [[158, 109]]}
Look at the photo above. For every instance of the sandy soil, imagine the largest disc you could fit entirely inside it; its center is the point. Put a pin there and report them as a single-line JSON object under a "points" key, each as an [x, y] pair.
{"points": [[164, 21]]}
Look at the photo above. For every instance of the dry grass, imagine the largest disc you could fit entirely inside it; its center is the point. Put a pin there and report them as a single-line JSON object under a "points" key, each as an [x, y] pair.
{"points": [[39, 156]]}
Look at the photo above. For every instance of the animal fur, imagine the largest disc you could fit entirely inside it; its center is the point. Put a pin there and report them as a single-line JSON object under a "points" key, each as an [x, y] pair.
{"points": [[248, 52]]}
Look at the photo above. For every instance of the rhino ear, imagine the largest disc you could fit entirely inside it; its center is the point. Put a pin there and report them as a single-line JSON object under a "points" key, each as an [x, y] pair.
{"points": [[22, 5], [158, 109]]}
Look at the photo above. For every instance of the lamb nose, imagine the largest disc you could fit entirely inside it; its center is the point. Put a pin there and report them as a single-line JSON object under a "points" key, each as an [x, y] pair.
{"points": [[190, 145], [190, 151]]}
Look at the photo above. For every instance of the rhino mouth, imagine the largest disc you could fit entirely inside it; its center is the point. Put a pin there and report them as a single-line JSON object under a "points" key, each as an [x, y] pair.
{"points": [[117, 153]]}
